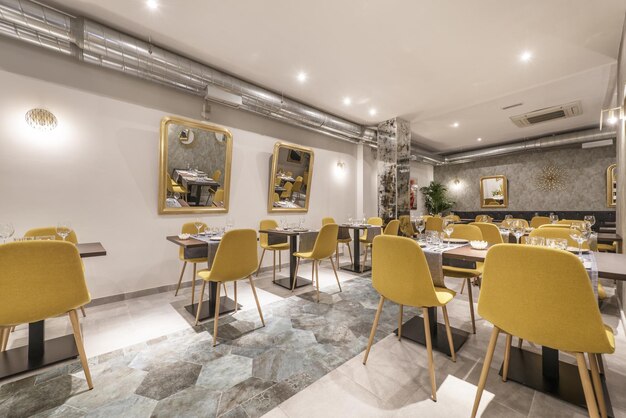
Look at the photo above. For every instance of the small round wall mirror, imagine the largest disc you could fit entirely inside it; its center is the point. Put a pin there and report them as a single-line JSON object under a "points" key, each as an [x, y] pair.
{"points": [[186, 136]]}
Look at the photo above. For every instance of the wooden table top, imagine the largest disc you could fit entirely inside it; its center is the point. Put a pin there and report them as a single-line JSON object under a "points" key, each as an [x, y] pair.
{"points": [[359, 226], [285, 232], [91, 249], [187, 243], [610, 265], [609, 236]]}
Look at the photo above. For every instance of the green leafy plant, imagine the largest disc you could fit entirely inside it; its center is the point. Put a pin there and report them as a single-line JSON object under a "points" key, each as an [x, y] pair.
{"points": [[435, 198]]}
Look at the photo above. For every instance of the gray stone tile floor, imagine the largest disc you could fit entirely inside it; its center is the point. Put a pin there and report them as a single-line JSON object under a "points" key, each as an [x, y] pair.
{"points": [[306, 361]]}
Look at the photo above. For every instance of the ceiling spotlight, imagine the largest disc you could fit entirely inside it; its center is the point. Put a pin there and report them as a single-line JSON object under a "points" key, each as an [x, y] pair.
{"points": [[347, 101], [302, 77], [41, 119], [526, 56], [455, 125], [373, 112], [152, 4], [479, 139]]}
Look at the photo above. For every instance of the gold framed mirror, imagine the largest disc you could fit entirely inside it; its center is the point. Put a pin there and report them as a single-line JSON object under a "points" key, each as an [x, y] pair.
{"points": [[611, 186], [494, 192], [290, 178], [194, 166]]}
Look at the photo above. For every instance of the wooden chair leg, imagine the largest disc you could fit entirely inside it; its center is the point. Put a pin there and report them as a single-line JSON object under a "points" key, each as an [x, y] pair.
{"points": [[82, 310], [598, 357], [400, 315], [317, 278], [597, 383], [462, 287], [234, 290], [199, 307], [471, 304], [260, 263], [280, 261], [374, 326], [4, 338], [295, 280], [507, 357], [217, 316], [486, 365], [80, 346], [335, 270], [274, 267], [449, 332], [429, 349], [256, 299], [225, 290], [350, 252], [337, 254], [180, 279], [590, 398], [193, 285]]}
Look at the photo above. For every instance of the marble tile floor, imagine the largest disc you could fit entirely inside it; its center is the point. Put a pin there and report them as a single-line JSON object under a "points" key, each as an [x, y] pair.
{"points": [[305, 362]]}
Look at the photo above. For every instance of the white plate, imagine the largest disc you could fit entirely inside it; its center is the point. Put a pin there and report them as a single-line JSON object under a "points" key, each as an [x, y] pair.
{"points": [[575, 250], [456, 240], [215, 238]]}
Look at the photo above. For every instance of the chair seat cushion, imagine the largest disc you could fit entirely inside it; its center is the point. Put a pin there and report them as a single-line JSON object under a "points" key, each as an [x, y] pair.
{"points": [[444, 295], [344, 240], [196, 260], [304, 255], [278, 247], [611, 248], [463, 273], [205, 274]]}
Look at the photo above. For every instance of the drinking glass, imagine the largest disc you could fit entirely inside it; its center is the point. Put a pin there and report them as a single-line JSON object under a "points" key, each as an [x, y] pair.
{"points": [[229, 224], [420, 224], [591, 219], [448, 228], [507, 217], [518, 229], [537, 241], [63, 229], [554, 218], [6, 230], [301, 223], [198, 224]]}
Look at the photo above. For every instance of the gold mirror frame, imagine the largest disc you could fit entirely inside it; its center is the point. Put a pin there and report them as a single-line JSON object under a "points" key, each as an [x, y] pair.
{"points": [[163, 145], [505, 192], [270, 197], [611, 177]]}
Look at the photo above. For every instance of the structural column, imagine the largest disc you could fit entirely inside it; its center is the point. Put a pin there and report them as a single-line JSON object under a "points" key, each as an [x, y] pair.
{"points": [[394, 156]]}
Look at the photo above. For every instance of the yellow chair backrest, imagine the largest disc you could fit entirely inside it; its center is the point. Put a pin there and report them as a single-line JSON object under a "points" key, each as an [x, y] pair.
{"points": [[523, 221], [266, 224], [455, 218], [38, 280], [217, 175], [297, 185], [491, 233], [566, 226], [564, 221], [236, 256], [406, 226], [559, 233], [468, 232], [189, 228], [326, 242], [542, 295], [276, 197], [277, 181], [537, 221], [328, 220], [375, 221], [479, 218], [400, 272], [392, 227], [434, 224], [50, 231], [287, 191], [219, 196]]}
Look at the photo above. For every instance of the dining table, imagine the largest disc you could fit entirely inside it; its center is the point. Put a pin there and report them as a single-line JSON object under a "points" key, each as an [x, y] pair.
{"points": [[41, 352], [197, 179], [356, 266], [545, 372], [204, 246]]}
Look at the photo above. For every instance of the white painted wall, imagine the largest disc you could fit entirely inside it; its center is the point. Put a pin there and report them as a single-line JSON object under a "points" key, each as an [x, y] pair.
{"points": [[424, 175], [98, 169]]}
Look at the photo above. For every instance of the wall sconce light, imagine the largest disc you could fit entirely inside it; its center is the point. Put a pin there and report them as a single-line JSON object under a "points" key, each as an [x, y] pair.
{"points": [[340, 165], [456, 183], [614, 114], [41, 120]]}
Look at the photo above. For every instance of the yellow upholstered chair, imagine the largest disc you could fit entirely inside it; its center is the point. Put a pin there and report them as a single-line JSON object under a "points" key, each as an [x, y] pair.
{"points": [[286, 194], [49, 231], [263, 240], [374, 221], [343, 237], [537, 221], [297, 186], [548, 301], [434, 223], [324, 247], [218, 197], [491, 233], [288, 173], [236, 259], [400, 274], [564, 225], [174, 187], [217, 175], [479, 218], [607, 248], [40, 280], [277, 181], [391, 229], [559, 233], [523, 221], [470, 233], [454, 218], [406, 226], [276, 197]]}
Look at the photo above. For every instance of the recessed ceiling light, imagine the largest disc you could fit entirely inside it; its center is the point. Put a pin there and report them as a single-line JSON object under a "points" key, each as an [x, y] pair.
{"points": [[526, 56], [455, 125], [373, 112], [479, 139], [302, 76], [152, 4], [347, 101]]}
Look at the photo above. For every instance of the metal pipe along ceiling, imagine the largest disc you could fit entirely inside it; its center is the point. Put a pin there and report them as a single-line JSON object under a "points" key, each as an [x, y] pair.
{"points": [[99, 45]]}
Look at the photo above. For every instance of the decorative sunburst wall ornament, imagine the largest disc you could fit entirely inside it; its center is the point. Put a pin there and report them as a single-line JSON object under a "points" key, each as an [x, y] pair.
{"points": [[551, 178]]}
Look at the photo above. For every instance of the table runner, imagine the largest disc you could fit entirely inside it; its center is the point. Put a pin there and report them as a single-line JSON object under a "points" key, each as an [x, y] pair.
{"points": [[589, 261], [434, 258]]}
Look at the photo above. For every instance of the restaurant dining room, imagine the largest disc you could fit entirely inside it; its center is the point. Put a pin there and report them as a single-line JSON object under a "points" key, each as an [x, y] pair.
{"points": [[287, 209]]}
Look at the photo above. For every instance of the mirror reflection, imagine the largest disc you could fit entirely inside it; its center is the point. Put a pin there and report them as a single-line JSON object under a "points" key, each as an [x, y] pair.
{"points": [[195, 166], [290, 180], [611, 186], [493, 192]]}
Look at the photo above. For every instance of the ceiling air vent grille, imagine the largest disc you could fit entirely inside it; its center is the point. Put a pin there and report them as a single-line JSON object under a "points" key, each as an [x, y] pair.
{"points": [[550, 113]]}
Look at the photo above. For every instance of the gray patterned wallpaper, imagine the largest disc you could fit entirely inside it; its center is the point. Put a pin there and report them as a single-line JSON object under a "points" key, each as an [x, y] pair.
{"points": [[584, 179], [205, 153]]}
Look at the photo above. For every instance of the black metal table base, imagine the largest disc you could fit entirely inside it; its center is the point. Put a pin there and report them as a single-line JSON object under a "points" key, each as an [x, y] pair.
{"points": [[56, 350], [208, 309], [286, 282], [413, 330], [351, 268], [526, 368]]}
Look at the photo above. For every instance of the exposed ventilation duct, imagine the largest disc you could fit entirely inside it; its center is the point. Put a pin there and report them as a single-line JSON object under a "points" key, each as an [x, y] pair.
{"points": [[96, 44], [543, 143]]}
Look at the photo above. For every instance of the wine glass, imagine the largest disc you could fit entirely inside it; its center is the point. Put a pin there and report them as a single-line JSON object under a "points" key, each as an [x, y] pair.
{"points": [[508, 217], [420, 225], [63, 229], [554, 218], [448, 228], [199, 224], [6, 230], [301, 223], [518, 229], [591, 219], [229, 224]]}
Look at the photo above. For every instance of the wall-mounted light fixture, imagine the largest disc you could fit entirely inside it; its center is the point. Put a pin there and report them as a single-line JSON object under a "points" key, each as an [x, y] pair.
{"points": [[340, 165], [41, 119], [456, 183], [613, 115]]}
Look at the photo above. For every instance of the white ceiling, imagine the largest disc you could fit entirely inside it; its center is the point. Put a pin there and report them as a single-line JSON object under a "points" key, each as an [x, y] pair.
{"points": [[433, 62]]}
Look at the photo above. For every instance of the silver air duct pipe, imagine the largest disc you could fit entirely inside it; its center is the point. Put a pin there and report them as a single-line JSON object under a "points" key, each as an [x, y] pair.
{"points": [[552, 141], [108, 48]]}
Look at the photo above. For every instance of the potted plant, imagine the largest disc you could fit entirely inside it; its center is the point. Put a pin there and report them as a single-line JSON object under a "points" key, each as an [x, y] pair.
{"points": [[436, 199]]}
